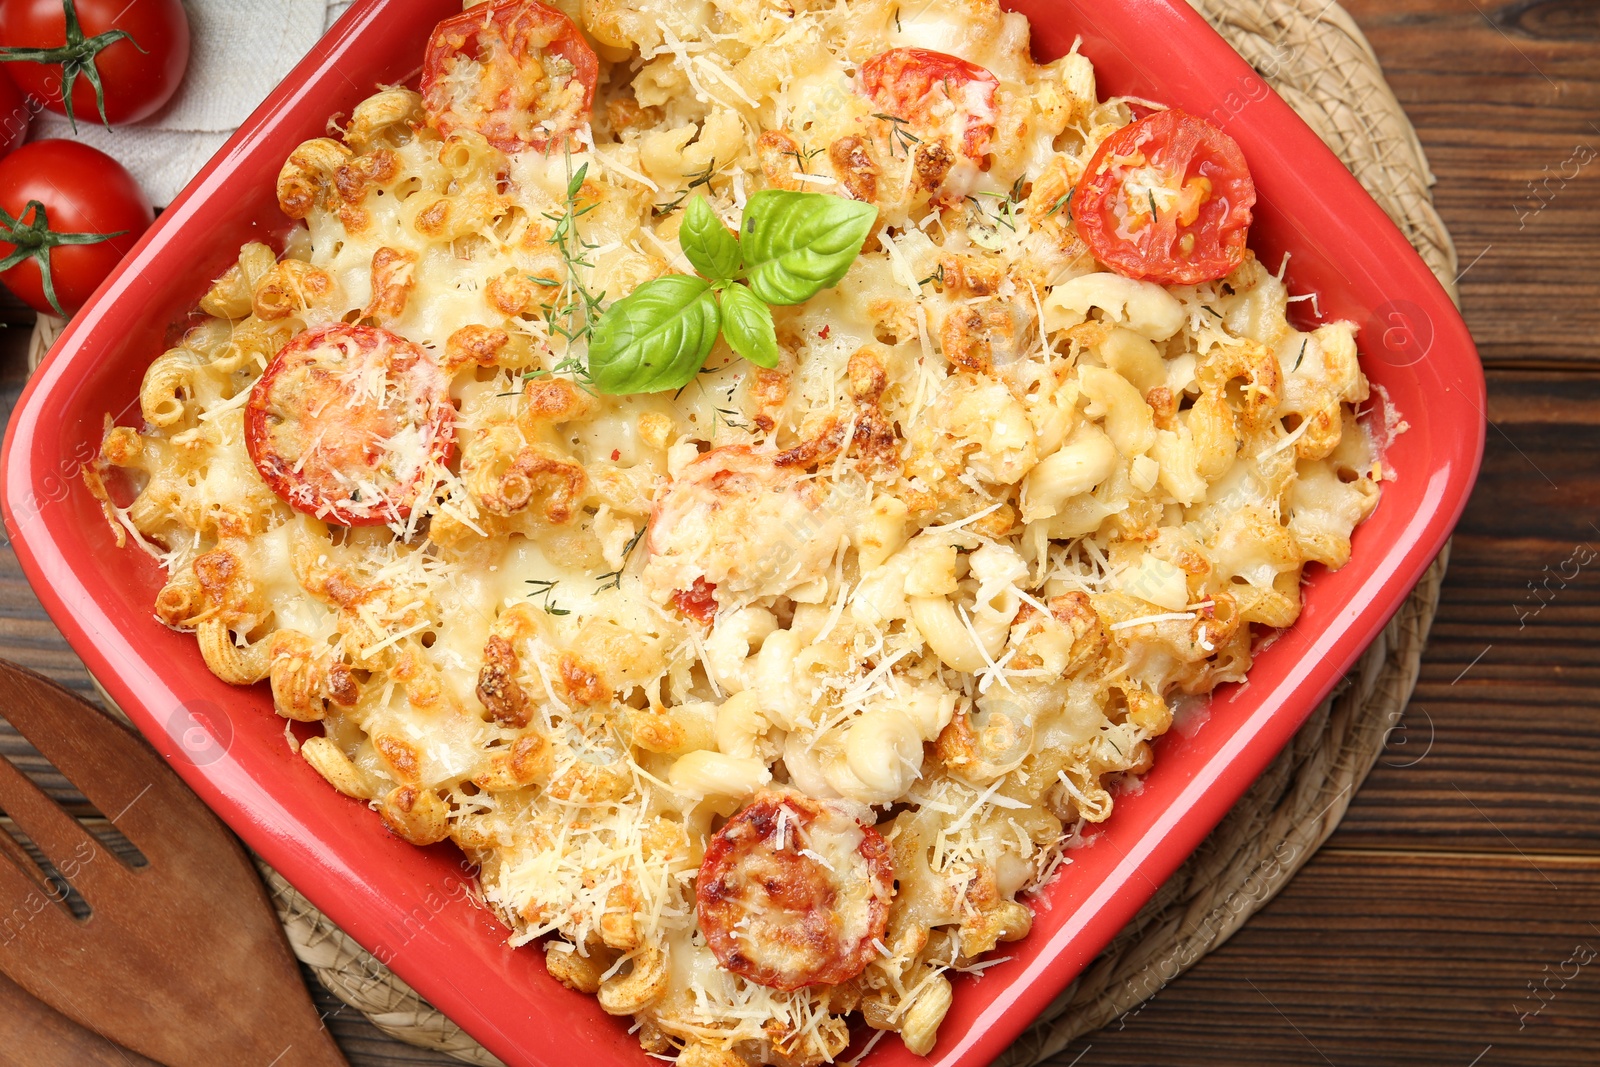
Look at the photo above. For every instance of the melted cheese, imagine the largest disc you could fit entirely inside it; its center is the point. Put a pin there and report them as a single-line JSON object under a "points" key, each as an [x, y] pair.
{"points": [[516, 651]]}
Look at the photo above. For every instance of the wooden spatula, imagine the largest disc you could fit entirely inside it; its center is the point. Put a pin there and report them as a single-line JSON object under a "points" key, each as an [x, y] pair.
{"points": [[33, 1034], [181, 960]]}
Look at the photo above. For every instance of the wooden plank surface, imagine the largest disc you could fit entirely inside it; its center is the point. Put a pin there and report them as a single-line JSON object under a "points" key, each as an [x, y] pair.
{"points": [[1506, 99], [1388, 957], [1449, 918]]}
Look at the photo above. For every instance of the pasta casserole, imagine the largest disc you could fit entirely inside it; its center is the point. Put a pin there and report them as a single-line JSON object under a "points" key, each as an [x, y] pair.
{"points": [[757, 475]]}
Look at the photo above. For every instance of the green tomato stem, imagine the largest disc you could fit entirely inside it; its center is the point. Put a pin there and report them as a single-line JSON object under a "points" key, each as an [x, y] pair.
{"points": [[77, 55], [34, 240]]}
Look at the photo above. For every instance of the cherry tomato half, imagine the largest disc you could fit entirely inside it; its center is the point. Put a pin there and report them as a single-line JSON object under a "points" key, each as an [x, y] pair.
{"points": [[699, 601], [516, 71], [86, 195], [140, 49], [932, 91], [793, 892], [1167, 199], [345, 422]]}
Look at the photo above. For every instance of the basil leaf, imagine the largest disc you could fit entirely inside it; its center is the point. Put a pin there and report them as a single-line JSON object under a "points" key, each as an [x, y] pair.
{"points": [[798, 244], [655, 338], [747, 324], [710, 246]]}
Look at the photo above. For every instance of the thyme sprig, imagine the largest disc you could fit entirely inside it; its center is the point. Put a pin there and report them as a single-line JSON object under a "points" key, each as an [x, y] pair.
{"points": [[899, 136], [1006, 207], [1064, 201], [546, 587], [576, 309], [734, 420], [702, 178], [569, 367], [803, 156], [613, 579]]}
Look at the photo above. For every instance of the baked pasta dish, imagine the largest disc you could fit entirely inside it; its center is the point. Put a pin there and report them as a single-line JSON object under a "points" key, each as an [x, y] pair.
{"points": [[757, 475]]}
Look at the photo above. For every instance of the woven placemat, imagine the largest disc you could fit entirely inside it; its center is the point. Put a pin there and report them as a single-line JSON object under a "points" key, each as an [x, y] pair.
{"points": [[1314, 55]]}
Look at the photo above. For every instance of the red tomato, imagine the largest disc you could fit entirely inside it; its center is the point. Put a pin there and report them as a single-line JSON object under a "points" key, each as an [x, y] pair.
{"points": [[516, 71], [699, 601], [139, 48], [15, 115], [86, 197], [793, 892], [929, 89], [345, 422], [1167, 199]]}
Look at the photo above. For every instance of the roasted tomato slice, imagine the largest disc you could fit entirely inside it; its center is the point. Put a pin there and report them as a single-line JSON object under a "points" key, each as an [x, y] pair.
{"points": [[699, 601], [935, 93], [793, 892], [345, 421], [516, 71], [1167, 199]]}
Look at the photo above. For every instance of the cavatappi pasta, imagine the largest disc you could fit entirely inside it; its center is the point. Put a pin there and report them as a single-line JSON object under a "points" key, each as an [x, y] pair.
{"points": [[897, 616]]}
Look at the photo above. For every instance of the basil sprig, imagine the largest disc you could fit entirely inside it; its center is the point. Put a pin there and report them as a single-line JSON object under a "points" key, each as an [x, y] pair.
{"points": [[790, 247], [657, 338], [797, 244], [747, 324], [706, 242]]}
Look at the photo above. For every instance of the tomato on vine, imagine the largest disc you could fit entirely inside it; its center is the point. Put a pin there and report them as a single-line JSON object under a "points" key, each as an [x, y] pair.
{"points": [[15, 115], [68, 214], [126, 58]]}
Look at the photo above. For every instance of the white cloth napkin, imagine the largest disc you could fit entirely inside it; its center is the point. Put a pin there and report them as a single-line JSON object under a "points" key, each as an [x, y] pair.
{"points": [[240, 51]]}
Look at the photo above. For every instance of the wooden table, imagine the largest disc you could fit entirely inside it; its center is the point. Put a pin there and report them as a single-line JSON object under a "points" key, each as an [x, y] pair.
{"points": [[1447, 920]]}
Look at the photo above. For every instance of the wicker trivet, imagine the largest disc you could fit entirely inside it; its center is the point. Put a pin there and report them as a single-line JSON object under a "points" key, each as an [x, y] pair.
{"points": [[1317, 59]]}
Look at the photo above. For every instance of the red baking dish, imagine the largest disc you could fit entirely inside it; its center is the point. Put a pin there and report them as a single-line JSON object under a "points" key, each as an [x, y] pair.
{"points": [[411, 907]]}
